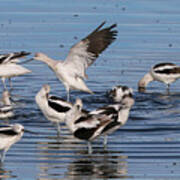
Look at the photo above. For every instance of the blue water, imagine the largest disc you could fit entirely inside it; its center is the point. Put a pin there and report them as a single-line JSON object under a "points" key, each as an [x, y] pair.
{"points": [[148, 146]]}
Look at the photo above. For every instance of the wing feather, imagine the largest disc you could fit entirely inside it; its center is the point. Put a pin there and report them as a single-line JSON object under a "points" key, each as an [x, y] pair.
{"points": [[85, 52]]}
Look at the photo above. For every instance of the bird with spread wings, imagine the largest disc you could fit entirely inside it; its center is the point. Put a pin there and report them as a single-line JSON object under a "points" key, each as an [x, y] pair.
{"points": [[72, 71]]}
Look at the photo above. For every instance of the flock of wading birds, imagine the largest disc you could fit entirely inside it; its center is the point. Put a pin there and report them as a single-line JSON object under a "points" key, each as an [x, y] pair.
{"points": [[83, 124]]}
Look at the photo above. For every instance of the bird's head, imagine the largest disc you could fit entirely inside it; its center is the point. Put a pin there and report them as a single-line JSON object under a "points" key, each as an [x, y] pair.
{"points": [[78, 104], [118, 92], [18, 128], [46, 89], [40, 56], [147, 78], [127, 101]]}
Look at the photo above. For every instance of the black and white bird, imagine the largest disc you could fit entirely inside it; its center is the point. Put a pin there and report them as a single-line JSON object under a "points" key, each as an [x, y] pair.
{"points": [[54, 108], [166, 73], [102, 121], [72, 71], [118, 111], [9, 134], [117, 93], [6, 107], [9, 67]]}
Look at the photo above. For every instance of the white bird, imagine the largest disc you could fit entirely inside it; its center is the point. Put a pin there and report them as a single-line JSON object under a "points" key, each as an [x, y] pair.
{"points": [[166, 73], [9, 134], [53, 107], [117, 93], [6, 108], [9, 68], [72, 71], [102, 121]]}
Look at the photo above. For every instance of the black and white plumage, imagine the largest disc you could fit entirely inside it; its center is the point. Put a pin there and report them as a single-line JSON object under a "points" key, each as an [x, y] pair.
{"points": [[166, 73], [6, 107], [72, 71], [12, 57], [118, 111], [9, 134], [117, 93], [9, 67], [102, 121], [53, 107]]}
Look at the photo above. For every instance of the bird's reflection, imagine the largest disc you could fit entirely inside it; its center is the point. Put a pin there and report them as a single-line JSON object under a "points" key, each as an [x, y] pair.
{"points": [[72, 158], [5, 174], [162, 97], [99, 166]]}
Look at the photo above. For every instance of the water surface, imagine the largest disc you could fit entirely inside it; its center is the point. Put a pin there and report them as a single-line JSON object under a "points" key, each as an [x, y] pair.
{"points": [[148, 146]]}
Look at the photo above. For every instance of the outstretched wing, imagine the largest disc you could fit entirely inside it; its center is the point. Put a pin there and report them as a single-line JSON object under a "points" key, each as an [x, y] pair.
{"points": [[85, 52]]}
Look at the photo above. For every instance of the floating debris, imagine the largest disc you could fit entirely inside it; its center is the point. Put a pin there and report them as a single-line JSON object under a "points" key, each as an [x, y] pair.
{"points": [[61, 46], [76, 15], [123, 8]]}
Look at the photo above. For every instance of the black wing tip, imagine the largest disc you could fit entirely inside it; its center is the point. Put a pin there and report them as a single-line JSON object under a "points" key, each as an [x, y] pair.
{"points": [[100, 39], [111, 27], [25, 53], [112, 31], [103, 23], [100, 26], [20, 54]]}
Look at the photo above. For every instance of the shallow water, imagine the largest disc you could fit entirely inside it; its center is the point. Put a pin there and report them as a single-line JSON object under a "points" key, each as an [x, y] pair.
{"points": [[148, 146]]}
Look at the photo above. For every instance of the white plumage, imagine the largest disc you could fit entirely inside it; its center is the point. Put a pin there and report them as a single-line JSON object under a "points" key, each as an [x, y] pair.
{"points": [[9, 134], [72, 71]]}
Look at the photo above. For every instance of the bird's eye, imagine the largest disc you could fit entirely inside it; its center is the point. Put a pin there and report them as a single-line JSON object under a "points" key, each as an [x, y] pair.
{"points": [[78, 107]]}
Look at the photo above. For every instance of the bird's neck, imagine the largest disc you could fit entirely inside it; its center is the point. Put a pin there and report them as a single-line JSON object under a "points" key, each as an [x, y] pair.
{"points": [[123, 116], [7, 101], [50, 62], [145, 80], [41, 98], [71, 116]]}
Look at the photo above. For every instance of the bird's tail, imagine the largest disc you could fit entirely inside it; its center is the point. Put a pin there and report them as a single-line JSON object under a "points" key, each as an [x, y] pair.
{"points": [[80, 85], [87, 90]]}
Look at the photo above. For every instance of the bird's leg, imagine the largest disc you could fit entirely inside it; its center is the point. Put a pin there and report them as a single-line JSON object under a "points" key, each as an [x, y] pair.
{"points": [[58, 129], [2, 154], [10, 83], [105, 141], [89, 148], [167, 89], [4, 84]]}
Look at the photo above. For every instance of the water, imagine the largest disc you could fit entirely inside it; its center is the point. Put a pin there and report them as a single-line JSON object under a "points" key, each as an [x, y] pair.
{"points": [[148, 146]]}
